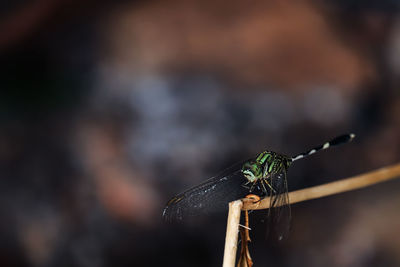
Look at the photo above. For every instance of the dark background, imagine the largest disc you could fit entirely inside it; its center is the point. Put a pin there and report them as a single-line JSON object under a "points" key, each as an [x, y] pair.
{"points": [[109, 108]]}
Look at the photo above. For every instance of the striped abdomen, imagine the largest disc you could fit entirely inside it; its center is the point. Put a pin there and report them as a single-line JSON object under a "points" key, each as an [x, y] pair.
{"points": [[334, 142]]}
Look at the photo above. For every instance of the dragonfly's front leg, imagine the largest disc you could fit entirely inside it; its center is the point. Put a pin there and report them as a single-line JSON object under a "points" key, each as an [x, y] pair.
{"points": [[252, 186], [245, 185]]}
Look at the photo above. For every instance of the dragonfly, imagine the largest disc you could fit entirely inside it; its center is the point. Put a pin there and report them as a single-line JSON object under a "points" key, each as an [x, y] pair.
{"points": [[265, 175]]}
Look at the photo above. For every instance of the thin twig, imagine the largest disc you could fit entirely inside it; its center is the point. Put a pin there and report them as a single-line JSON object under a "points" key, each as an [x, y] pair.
{"points": [[231, 237], [352, 183]]}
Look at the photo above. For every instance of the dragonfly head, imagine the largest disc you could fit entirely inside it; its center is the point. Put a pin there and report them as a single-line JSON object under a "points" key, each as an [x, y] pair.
{"points": [[252, 170]]}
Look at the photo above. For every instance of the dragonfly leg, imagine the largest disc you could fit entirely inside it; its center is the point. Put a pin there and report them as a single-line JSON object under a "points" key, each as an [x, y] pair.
{"points": [[263, 187], [245, 185], [268, 184], [252, 186]]}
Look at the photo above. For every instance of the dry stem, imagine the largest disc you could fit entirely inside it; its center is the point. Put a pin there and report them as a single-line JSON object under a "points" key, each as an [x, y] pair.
{"points": [[344, 185], [352, 183], [231, 237]]}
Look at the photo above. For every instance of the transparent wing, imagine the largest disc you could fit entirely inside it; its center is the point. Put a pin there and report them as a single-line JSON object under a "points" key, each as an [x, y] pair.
{"points": [[279, 213], [209, 197]]}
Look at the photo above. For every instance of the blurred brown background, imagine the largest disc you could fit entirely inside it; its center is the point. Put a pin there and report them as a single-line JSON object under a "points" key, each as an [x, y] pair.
{"points": [[109, 108]]}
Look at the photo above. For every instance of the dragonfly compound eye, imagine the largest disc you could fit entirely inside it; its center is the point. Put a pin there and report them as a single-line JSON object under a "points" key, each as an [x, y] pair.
{"points": [[252, 171]]}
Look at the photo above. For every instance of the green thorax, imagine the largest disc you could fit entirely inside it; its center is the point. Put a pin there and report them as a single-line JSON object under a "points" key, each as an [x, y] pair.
{"points": [[265, 164]]}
